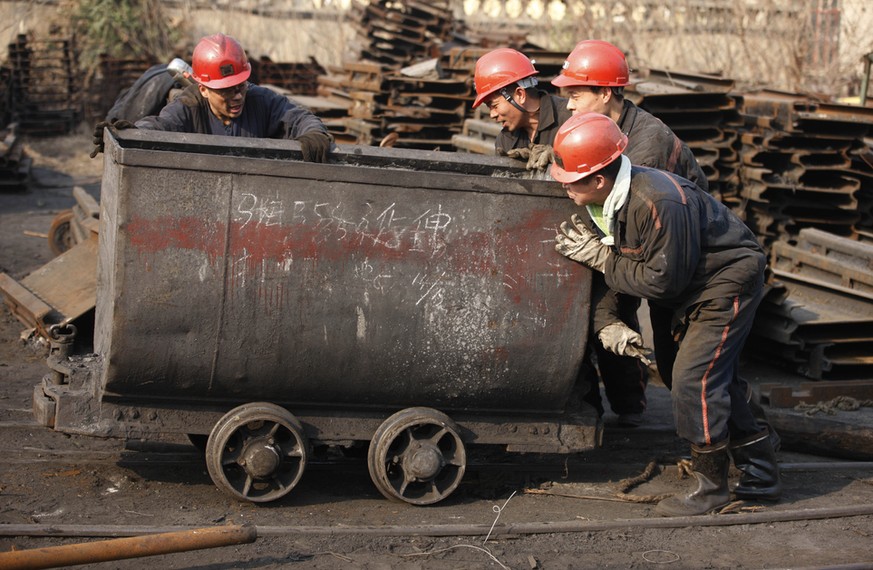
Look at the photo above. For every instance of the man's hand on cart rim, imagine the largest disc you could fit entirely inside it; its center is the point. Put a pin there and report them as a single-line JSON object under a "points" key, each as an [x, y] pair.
{"points": [[315, 146], [538, 156], [519, 153], [541, 156], [580, 244], [98, 132]]}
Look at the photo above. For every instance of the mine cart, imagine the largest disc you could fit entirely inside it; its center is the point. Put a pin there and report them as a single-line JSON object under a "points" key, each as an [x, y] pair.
{"points": [[407, 301]]}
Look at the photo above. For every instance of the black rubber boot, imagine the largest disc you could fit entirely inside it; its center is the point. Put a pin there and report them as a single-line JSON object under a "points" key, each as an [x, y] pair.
{"points": [[755, 458], [709, 465], [761, 418]]}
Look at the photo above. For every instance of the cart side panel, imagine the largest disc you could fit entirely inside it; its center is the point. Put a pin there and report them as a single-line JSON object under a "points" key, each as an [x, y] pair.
{"points": [[241, 280]]}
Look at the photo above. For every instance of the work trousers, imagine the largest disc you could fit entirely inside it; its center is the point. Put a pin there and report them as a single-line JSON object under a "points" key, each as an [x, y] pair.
{"points": [[709, 399]]}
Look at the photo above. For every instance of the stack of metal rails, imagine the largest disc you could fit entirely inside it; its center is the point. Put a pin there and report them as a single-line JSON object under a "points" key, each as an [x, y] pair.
{"points": [[409, 89], [701, 110], [15, 165], [45, 85], [416, 107], [5, 94], [801, 167], [298, 77], [818, 317], [398, 33], [390, 101], [478, 135], [809, 194], [113, 76]]}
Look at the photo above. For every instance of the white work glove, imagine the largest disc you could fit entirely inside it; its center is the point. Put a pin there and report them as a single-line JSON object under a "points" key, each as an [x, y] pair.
{"points": [[581, 244], [620, 339]]}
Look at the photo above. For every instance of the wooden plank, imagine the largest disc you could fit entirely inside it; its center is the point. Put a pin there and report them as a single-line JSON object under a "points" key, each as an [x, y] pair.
{"points": [[27, 307], [89, 205], [68, 283], [847, 434]]}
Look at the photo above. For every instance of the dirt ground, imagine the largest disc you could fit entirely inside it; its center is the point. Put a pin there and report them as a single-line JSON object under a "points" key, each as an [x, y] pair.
{"points": [[336, 518]]}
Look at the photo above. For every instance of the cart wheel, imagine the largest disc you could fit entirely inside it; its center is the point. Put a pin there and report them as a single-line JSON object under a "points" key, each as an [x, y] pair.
{"points": [[257, 452], [60, 236], [417, 456]]}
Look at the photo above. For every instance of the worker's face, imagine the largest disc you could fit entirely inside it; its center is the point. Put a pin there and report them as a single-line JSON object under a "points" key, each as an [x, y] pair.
{"points": [[226, 104], [504, 112], [582, 99], [592, 189]]}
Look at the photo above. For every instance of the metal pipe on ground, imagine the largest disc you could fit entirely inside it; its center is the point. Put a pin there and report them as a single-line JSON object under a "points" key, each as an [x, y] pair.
{"points": [[764, 517], [123, 548]]}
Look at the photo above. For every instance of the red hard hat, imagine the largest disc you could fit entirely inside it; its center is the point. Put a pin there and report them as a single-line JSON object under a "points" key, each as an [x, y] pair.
{"points": [[219, 61], [499, 68], [584, 144], [594, 62]]}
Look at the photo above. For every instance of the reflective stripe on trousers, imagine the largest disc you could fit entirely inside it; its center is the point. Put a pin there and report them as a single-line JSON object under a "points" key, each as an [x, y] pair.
{"points": [[709, 403]]}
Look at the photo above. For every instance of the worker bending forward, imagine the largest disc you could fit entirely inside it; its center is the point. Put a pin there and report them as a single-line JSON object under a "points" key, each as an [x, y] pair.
{"points": [[669, 242]]}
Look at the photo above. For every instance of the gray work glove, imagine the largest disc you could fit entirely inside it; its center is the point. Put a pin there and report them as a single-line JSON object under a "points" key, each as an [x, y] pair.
{"points": [[519, 153], [620, 339], [117, 124], [581, 244], [541, 156], [315, 146]]}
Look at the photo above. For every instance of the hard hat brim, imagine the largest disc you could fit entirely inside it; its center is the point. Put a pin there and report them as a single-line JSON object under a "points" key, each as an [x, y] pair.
{"points": [[230, 80], [565, 81], [502, 85], [564, 176]]}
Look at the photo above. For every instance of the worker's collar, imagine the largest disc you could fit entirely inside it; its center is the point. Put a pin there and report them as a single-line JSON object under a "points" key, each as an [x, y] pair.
{"points": [[605, 219], [548, 116]]}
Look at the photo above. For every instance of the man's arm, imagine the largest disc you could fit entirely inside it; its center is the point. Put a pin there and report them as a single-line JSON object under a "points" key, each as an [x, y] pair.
{"points": [[285, 119], [177, 117]]}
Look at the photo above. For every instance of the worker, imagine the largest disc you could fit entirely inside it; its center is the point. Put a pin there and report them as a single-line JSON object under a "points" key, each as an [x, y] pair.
{"points": [[506, 82], [594, 77], [223, 102], [663, 238]]}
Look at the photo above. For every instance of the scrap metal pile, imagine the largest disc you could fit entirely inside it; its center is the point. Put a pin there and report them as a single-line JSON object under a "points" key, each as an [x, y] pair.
{"points": [[412, 85], [416, 109], [45, 86], [14, 163], [801, 166], [807, 194], [702, 112], [818, 317]]}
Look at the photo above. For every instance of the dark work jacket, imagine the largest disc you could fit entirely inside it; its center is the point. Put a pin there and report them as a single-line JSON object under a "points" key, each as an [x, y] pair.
{"points": [[650, 143], [266, 114], [676, 245], [146, 96], [553, 113]]}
